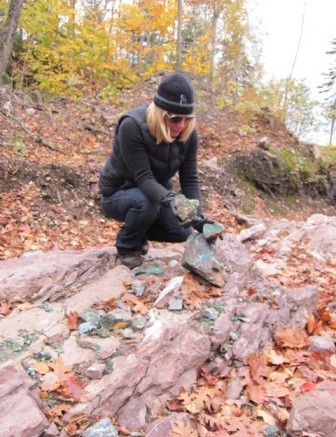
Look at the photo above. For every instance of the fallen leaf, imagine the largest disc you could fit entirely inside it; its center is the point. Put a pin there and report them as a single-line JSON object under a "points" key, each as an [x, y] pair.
{"points": [[256, 393], [72, 388], [275, 390], [266, 417], [135, 303], [180, 429], [279, 413], [307, 386], [280, 377], [25, 306], [197, 400], [258, 367], [120, 325], [60, 369], [41, 367], [209, 378], [59, 410], [73, 318], [175, 405], [313, 326], [291, 337], [213, 423], [274, 358]]}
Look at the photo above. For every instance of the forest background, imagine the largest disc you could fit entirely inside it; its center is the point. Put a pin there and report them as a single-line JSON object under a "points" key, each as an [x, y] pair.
{"points": [[77, 48]]}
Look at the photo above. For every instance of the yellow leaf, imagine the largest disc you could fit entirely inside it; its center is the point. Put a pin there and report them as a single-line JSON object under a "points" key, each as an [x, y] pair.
{"points": [[42, 368], [266, 417], [120, 325], [25, 306], [193, 408]]}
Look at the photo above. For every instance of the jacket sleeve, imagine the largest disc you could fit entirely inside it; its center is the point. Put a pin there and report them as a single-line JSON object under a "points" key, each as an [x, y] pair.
{"points": [[188, 172], [135, 157]]}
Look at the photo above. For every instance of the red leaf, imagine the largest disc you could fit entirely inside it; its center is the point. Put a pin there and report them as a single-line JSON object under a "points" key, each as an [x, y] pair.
{"points": [[72, 388], [73, 320], [307, 386]]}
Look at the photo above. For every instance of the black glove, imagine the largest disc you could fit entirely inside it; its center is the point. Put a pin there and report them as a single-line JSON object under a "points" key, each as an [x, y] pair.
{"points": [[199, 222], [169, 201]]}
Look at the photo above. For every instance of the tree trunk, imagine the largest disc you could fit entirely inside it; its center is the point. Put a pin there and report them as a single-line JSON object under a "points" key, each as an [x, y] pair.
{"points": [[6, 42], [214, 20], [179, 36]]}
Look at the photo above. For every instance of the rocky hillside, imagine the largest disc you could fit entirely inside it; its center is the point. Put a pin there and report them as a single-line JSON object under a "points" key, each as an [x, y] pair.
{"points": [[232, 337], [51, 153]]}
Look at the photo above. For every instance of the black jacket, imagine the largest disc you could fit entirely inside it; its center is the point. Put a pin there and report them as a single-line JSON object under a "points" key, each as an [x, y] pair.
{"points": [[137, 161]]}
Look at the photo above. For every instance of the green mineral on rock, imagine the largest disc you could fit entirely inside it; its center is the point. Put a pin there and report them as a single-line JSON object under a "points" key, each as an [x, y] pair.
{"points": [[212, 230]]}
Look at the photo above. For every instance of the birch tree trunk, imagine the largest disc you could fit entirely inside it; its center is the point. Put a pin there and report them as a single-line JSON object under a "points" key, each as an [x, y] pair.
{"points": [[6, 42]]}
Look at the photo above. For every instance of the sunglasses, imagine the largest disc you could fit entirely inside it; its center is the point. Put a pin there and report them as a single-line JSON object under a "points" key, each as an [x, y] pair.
{"points": [[176, 119]]}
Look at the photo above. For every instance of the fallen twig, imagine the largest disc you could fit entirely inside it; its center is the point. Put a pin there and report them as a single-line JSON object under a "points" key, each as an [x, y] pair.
{"points": [[36, 138]]}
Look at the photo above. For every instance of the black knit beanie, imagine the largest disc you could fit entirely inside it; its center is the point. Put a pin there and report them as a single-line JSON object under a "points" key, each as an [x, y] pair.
{"points": [[175, 94]]}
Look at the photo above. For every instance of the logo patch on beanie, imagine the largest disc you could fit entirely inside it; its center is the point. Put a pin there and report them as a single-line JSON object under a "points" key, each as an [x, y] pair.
{"points": [[183, 99]]}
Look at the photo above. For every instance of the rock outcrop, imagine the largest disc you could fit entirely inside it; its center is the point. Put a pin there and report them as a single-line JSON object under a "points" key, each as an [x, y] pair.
{"points": [[134, 358]]}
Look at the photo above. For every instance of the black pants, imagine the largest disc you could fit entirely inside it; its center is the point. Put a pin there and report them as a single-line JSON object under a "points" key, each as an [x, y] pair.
{"points": [[143, 219]]}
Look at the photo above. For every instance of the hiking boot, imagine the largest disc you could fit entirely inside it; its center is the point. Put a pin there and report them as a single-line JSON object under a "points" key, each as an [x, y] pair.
{"points": [[131, 259], [144, 248]]}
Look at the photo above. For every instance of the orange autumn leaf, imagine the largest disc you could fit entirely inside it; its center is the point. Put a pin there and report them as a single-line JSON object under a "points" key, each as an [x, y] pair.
{"points": [[313, 326], [58, 411], [198, 399], [193, 291], [135, 303], [291, 337], [256, 393], [258, 367], [60, 369]]}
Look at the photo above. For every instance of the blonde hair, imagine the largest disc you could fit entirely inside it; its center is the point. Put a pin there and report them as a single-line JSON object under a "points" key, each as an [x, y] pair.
{"points": [[155, 118]]}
